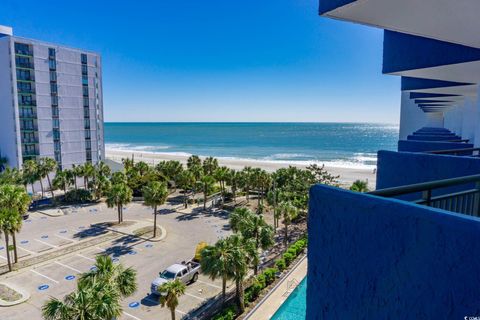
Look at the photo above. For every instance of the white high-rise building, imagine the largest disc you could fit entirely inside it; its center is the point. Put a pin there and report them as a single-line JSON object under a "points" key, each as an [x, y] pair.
{"points": [[51, 102]]}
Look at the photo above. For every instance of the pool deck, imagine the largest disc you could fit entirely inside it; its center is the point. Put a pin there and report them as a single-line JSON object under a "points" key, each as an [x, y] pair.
{"points": [[277, 296]]}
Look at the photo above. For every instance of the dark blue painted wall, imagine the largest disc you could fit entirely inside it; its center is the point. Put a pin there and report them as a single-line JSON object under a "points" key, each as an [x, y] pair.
{"points": [[422, 146], [375, 258], [403, 168], [433, 137]]}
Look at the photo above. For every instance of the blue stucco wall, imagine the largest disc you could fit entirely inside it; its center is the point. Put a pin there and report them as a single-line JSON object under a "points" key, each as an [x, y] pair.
{"points": [[402, 168], [422, 146], [375, 258]]}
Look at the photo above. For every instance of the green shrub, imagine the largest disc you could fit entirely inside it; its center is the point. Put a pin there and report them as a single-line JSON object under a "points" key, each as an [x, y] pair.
{"points": [[262, 280], [293, 251], [229, 313], [288, 257], [79, 195], [280, 264], [270, 275]]}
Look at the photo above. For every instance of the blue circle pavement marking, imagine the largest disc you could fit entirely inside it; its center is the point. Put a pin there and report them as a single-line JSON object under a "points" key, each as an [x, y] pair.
{"points": [[149, 245], [82, 227], [1, 248], [63, 231], [115, 260], [93, 268], [44, 236], [134, 304], [43, 287], [24, 241], [28, 220], [70, 277], [132, 252]]}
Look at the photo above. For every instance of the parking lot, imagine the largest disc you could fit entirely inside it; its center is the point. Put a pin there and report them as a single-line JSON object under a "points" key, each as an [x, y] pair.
{"points": [[57, 277]]}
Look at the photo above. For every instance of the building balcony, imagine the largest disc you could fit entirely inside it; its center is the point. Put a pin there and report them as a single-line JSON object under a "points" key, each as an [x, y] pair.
{"points": [[28, 115], [25, 65], [372, 256], [29, 153], [28, 128], [30, 140]]}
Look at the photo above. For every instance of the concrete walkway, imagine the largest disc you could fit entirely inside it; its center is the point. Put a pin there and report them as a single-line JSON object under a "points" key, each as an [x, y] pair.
{"points": [[277, 296]]}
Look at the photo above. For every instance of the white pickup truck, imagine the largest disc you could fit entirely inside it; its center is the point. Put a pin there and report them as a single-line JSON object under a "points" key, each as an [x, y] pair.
{"points": [[187, 272]]}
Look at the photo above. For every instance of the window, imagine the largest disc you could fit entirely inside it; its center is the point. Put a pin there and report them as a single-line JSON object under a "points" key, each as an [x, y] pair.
{"points": [[85, 91], [56, 134], [84, 69], [84, 80], [51, 53], [56, 146], [87, 134], [25, 100], [23, 48], [86, 123], [25, 75], [53, 76], [24, 87], [85, 102], [54, 100], [89, 155], [28, 137], [84, 58], [86, 112], [53, 88], [24, 62], [88, 145], [58, 158], [56, 123], [55, 111], [52, 64]]}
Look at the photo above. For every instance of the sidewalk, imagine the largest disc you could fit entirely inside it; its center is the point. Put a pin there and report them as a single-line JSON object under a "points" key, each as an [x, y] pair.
{"points": [[277, 296]]}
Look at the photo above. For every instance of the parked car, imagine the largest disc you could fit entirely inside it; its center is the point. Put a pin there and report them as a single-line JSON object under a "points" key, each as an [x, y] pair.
{"points": [[187, 272]]}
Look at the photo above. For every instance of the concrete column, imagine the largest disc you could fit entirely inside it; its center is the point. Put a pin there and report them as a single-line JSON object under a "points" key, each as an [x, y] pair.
{"points": [[412, 117]]}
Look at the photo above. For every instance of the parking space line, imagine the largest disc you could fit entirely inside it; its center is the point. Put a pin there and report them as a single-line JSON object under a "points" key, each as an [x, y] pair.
{"points": [[131, 316], [64, 238], [181, 312], [31, 252], [42, 275], [82, 256], [46, 243], [194, 296], [68, 267], [209, 284], [3, 257]]}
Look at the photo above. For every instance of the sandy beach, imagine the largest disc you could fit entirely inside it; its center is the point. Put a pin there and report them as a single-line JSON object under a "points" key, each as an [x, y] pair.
{"points": [[347, 175]]}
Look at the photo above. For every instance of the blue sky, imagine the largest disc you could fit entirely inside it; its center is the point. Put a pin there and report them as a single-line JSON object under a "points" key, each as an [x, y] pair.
{"points": [[217, 60]]}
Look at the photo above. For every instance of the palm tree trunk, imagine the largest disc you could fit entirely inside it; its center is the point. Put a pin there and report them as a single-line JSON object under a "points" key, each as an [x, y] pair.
{"points": [[205, 199], [224, 288], [185, 198], [33, 188], [240, 294], [8, 251], [172, 313], [155, 222], [75, 182], [41, 186], [15, 255], [119, 215], [50, 185], [285, 240]]}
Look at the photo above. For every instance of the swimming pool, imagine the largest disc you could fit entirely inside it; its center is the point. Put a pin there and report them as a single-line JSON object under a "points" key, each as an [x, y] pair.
{"points": [[295, 307]]}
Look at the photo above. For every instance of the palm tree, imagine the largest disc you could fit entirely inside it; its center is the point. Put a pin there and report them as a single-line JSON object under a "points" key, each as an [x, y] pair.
{"points": [[98, 293], [155, 194], [252, 226], [88, 172], [186, 180], [169, 294], [210, 165], [194, 161], [243, 252], [360, 186], [16, 199], [217, 261], [119, 195], [30, 173], [222, 175], [103, 169], [11, 176], [233, 180], [76, 171], [247, 181], [207, 183], [7, 220], [61, 180], [45, 167], [288, 212]]}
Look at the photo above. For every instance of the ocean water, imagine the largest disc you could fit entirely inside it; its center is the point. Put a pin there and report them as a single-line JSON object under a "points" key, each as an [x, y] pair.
{"points": [[352, 145]]}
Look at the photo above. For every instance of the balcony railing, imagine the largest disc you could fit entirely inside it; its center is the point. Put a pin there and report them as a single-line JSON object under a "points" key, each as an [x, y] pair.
{"points": [[466, 201], [25, 65], [28, 115], [28, 128], [458, 152]]}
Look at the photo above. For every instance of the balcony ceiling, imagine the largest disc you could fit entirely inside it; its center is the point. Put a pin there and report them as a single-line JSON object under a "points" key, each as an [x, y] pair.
{"points": [[455, 21]]}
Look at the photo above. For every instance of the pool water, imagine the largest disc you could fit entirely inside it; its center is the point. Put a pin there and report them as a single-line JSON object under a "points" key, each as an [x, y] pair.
{"points": [[295, 307]]}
